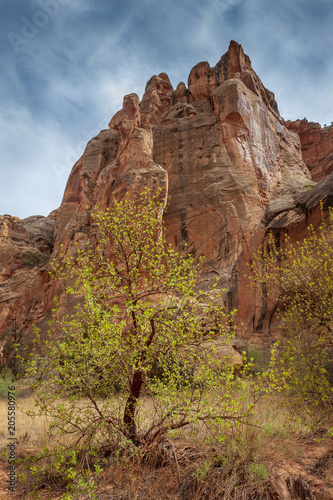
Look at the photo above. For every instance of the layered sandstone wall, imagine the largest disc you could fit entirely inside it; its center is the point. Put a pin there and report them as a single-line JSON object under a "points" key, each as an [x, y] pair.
{"points": [[225, 164], [317, 146]]}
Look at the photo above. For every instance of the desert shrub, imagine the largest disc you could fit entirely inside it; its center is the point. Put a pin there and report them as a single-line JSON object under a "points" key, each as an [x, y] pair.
{"points": [[139, 310], [300, 275], [33, 259], [259, 358], [6, 380], [66, 470]]}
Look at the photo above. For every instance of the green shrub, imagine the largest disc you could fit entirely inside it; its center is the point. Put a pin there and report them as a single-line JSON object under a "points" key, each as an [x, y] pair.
{"points": [[33, 259], [259, 357], [6, 380], [300, 276], [258, 472]]}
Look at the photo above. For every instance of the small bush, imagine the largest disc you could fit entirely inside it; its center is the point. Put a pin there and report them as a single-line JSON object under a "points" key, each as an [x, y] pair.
{"points": [[33, 259], [58, 470], [234, 481], [6, 380], [258, 472], [328, 366], [260, 357]]}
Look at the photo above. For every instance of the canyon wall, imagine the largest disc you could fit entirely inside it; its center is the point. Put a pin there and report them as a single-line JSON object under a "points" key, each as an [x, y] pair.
{"points": [[317, 146], [226, 163]]}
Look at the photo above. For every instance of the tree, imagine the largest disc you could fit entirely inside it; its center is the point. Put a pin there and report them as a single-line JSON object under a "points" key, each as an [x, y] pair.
{"points": [[300, 276], [140, 355]]}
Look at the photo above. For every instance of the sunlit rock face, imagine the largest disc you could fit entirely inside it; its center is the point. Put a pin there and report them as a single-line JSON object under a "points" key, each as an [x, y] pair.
{"points": [[225, 165], [317, 146]]}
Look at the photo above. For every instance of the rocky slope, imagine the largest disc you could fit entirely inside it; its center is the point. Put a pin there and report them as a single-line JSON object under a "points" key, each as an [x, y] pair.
{"points": [[224, 159]]}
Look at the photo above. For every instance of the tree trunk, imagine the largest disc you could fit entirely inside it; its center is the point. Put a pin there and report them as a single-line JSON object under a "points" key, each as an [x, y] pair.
{"points": [[130, 407], [135, 389]]}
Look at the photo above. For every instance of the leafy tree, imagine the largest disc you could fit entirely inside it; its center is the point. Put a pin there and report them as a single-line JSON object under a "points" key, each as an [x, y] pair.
{"points": [[141, 354], [300, 276]]}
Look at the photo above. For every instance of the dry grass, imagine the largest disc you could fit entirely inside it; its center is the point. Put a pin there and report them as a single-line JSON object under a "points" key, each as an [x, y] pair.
{"points": [[30, 431], [184, 467], [245, 466]]}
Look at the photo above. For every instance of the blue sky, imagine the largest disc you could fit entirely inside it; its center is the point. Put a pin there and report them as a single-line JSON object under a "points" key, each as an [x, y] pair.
{"points": [[66, 64]]}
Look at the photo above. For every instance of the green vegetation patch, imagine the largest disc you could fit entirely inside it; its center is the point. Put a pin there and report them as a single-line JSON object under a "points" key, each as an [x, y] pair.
{"points": [[33, 259]]}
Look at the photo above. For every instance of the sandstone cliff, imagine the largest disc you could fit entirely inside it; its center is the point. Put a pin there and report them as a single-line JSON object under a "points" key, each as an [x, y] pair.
{"points": [[317, 147], [224, 160]]}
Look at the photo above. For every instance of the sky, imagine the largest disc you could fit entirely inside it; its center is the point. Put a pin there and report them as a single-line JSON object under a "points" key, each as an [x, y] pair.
{"points": [[65, 66]]}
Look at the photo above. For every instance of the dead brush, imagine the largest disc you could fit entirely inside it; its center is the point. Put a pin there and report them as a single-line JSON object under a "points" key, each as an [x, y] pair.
{"points": [[155, 472], [225, 481], [323, 464], [187, 468], [140, 479], [299, 488]]}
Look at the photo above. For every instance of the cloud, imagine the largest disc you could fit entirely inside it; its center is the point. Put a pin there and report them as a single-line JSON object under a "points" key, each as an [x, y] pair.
{"points": [[292, 53], [25, 148], [69, 79]]}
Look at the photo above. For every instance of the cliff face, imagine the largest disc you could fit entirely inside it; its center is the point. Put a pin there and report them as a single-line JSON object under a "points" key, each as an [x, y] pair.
{"points": [[25, 248], [317, 147], [224, 160]]}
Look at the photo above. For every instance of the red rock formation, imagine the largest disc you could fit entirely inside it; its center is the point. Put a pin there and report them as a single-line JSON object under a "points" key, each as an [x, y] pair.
{"points": [[317, 147], [224, 160], [25, 247]]}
